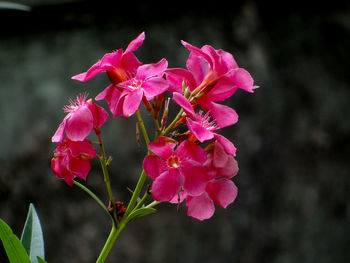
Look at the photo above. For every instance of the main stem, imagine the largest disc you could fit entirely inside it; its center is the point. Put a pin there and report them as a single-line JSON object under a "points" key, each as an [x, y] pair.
{"points": [[112, 238]]}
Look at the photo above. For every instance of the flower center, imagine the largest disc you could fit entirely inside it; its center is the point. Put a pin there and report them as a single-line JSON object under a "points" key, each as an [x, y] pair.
{"points": [[174, 162], [117, 75]]}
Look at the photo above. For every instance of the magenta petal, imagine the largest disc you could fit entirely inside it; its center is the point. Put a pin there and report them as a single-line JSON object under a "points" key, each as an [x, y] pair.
{"points": [[150, 70], [176, 200], [223, 192], [222, 90], [220, 157], [82, 149], [79, 167], [184, 103], [154, 87], [105, 93], [198, 66], [90, 73], [198, 52], [59, 134], [195, 177], [136, 43], [190, 150], [243, 80], [223, 115], [163, 147], [227, 144], [132, 102], [79, 124], [201, 133], [200, 207], [167, 185], [176, 76], [228, 59], [229, 170], [151, 166]]}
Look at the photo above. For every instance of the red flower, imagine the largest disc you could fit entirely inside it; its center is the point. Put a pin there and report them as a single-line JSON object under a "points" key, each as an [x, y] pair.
{"points": [[72, 159]]}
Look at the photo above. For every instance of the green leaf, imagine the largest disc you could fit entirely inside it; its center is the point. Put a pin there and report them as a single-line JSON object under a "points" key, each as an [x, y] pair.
{"points": [[14, 6], [140, 212], [13, 247], [40, 260], [32, 236]]}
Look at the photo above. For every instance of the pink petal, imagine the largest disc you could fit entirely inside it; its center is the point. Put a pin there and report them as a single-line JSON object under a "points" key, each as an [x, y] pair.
{"points": [[132, 102], [99, 114], [167, 185], [150, 70], [198, 66], [223, 115], [184, 103], [79, 124], [229, 170], [222, 90], [243, 80], [154, 87], [220, 157], [228, 59], [223, 192], [227, 144], [195, 177], [163, 147], [130, 63], [59, 134], [200, 207], [198, 52], [151, 166], [201, 133], [190, 150], [136, 43], [176, 200], [176, 76], [82, 149]]}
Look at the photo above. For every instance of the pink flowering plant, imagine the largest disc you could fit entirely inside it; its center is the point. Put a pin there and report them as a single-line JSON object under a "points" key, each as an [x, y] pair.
{"points": [[187, 160]]}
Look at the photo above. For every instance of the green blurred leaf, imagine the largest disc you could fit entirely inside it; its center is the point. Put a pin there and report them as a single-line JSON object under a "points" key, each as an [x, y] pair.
{"points": [[40, 260], [14, 6], [32, 236], [140, 212], [13, 247]]}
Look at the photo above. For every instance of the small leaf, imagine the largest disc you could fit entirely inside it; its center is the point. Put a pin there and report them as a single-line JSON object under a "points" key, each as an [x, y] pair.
{"points": [[13, 247], [40, 260], [140, 212], [32, 236]]}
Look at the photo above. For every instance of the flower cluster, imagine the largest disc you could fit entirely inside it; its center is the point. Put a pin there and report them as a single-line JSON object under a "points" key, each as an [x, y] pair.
{"points": [[195, 165]]}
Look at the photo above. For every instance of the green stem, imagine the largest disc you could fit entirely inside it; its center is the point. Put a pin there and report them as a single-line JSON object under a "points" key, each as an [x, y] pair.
{"points": [[142, 201], [153, 204], [112, 238], [171, 125], [136, 193], [89, 192], [143, 128]]}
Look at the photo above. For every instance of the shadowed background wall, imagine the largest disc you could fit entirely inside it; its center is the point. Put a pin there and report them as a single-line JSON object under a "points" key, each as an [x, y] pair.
{"points": [[292, 137]]}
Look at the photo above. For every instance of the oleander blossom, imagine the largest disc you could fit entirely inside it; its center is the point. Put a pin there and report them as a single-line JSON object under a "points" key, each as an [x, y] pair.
{"points": [[212, 76], [147, 84], [175, 170], [83, 116], [72, 159], [219, 190]]}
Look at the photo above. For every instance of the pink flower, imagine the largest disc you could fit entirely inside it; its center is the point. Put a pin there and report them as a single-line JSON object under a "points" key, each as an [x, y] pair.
{"points": [[83, 116], [147, 83], [174, 170], [119, 65], [214, 76], [72, 159], [219, 190], [203, 129]]}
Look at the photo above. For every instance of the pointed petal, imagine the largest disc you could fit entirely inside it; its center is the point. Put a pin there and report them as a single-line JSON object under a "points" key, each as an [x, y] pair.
{"points": [[223, 192], [132, 102], [59, 134], [195, 177], [82, 149], [223, 115], [79, 124], [226, 144], [184, 103], [200, 207], [99, 114], [222, 90], [242, 79], [150, 70], [154, 87], [136, 43], [167, 185], [228, 59], [201, 133], [198, 66], [198, 52]]}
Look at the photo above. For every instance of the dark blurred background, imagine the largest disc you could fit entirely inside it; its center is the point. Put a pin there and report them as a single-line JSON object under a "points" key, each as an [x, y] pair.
{"points": [[292, 137]]}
